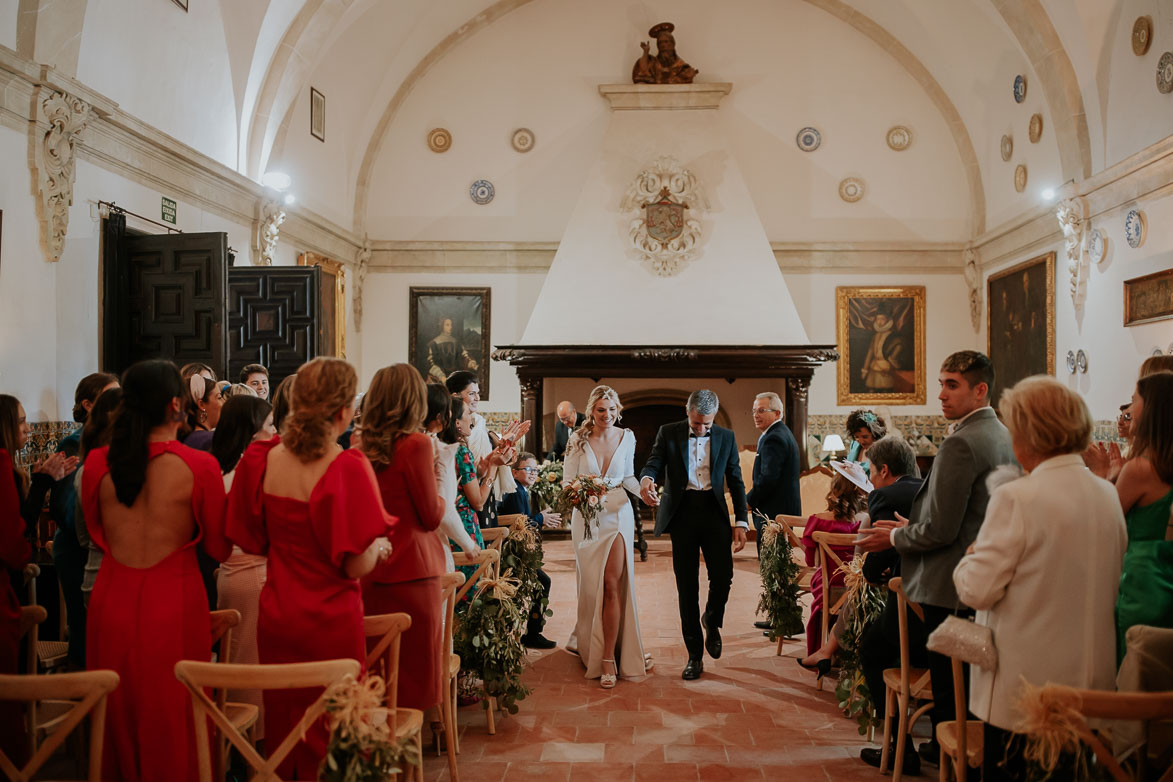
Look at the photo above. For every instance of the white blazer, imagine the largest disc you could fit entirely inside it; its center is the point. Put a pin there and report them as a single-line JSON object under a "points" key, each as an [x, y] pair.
{"points": [[1043, 577]]}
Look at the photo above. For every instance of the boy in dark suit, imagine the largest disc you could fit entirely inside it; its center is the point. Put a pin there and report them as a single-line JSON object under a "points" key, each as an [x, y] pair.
{"points": [[525, 472]]}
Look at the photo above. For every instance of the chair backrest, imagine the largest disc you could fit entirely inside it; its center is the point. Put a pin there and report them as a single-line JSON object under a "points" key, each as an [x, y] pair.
{"points": [[30, 617], [813, 485], [200, 676], [449, 584], [829, 564], [793, 525], [504, 523], [484, 560], [904, 605], [222, 622], [89, 688], [383, 658]]}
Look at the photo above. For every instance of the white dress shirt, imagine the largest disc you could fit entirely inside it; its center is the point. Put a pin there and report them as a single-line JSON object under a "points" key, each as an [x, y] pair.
{"points": [[699, 475]]}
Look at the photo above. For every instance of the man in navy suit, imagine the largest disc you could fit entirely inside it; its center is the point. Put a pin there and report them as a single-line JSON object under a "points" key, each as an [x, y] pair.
{"points": [[697, 460], [776, 467], [525, 472]]}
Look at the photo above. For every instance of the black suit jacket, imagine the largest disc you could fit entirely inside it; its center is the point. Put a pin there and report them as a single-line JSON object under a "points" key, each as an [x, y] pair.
{"points": [[669, 462], [518, 502], [775, 474], [562, 436], [883, 505]]}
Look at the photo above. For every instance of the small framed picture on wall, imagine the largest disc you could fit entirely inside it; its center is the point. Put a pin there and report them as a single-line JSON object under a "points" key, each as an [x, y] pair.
{"points": [[317, 115], [1148, 298], [448, 329]]}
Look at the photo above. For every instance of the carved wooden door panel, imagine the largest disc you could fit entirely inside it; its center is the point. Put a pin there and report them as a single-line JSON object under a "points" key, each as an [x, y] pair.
{"points": [[164, 298], [273, 317]]}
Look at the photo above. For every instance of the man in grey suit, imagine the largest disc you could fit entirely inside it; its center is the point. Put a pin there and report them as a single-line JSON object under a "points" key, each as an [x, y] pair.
{"points": [[948, 511], [697, 461]]}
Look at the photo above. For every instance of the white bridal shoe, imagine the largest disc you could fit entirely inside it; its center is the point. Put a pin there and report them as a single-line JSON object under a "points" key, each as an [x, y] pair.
{"points": [[608, 680]]}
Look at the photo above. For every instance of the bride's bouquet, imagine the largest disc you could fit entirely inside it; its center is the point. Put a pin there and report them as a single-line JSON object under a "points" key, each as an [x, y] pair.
{"points": [[584, 494]]}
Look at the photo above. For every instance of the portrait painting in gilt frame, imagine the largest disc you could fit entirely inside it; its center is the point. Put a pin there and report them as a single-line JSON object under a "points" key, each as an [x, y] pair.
{"points": [[1020, 322], [881, 336], [332, 326], [1148, 298], [448, 329]]}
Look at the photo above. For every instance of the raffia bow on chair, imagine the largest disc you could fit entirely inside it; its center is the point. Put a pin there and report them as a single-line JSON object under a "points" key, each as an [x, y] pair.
{"points": [[361, 742], [504, 587], [521, 532], [1054, 725]]}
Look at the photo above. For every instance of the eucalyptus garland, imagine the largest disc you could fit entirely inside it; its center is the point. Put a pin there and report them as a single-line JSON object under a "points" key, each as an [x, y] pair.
{"points": [[779, 600], [863, 605], [361, 747], [488, 640], [521, 552]]}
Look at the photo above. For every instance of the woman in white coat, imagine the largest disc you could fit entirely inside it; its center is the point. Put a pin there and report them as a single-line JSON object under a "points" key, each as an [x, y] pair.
{"points": [[1045, 567]]}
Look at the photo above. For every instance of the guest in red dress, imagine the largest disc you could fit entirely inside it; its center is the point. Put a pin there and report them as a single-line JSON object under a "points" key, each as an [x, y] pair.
{"points": [[314, 510], [845, 501], [15, 552], [148, 502], [393, 413]]}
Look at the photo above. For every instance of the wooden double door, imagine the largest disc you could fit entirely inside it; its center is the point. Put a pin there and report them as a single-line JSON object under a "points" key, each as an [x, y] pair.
{"points": [[177, 297]]}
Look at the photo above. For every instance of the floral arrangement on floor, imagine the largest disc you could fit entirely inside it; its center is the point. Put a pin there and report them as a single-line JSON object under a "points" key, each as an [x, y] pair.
{"points": [[547, 487], [779, 600], [863, 605], [521, 553], [362, 748], [488, 639], [584, 494]]}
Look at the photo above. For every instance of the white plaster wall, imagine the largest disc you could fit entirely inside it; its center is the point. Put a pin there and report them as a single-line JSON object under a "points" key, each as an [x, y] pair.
{"points": [[175, 77], [384, 335], [794, 66], [1138, 115], [8, 11]]}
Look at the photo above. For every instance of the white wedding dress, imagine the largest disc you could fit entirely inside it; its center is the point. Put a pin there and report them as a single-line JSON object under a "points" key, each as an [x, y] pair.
{"points": [[615, 520]]}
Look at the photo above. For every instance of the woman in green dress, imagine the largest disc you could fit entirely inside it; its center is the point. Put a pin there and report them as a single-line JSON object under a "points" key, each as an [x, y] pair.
{"points": [[1145, 487]]}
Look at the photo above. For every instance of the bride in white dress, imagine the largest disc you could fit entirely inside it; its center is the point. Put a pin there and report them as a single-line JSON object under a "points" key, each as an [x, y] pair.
{"points": [[606, 634]]}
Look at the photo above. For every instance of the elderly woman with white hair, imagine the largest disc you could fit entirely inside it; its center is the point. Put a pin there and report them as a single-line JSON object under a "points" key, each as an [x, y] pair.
{"points": [[1045, 567]]}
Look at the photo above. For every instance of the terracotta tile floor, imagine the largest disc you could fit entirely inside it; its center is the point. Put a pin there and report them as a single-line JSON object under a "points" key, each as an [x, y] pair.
{"points": [[752, 716]]}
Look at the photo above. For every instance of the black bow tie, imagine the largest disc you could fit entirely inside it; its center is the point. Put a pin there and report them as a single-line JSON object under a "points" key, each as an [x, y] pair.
{"points": [[695, 436]]}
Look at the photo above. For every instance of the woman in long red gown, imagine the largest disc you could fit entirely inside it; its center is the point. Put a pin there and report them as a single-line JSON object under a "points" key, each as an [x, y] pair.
{"points": [[409, 581], [315, 511], [844, 502], [15, 552], [148, 502]]}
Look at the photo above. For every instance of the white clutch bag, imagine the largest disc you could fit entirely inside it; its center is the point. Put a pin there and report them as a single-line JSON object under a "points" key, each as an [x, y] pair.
{"points": [[967, 641]]}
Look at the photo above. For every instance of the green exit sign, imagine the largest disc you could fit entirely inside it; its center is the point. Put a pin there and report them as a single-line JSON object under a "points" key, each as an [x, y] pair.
{"points": [[168, 210]]}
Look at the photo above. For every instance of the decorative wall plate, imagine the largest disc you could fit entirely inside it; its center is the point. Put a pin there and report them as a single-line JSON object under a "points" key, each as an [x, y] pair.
{"points": [[1007, 147], [1019, 88], [1020, 177], [899, 138], [439, 140], [481, 192], [1165, 73], [1096, 245], [523, 139], [1135, 227], [1081, 360], [1142, 35], [1071, 362], [851, 189], [808, 139], [1035, 131]]}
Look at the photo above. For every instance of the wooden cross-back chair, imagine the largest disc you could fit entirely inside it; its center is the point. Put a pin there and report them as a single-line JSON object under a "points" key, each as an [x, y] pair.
{"points": [[829, 564], [904, 687], [243, 716], [383, 659], [485, 562], [88, 689], [200, 676], [30, 618], [49, 655], [793, 526], [1105, 705], [813, 485], [961, 737], [449, 668]]}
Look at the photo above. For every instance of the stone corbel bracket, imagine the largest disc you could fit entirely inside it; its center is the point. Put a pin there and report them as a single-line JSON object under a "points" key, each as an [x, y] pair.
{"points": [[363, 264], [270, 216], [973, 281], [1072, 216], [61, 110]]}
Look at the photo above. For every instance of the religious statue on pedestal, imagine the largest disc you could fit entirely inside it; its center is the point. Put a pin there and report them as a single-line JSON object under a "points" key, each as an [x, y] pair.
{"points": [[666, 67]]}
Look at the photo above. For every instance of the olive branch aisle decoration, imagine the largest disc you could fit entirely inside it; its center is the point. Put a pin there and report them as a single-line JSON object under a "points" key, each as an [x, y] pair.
{"points": [[779, 600], [521, 552], [488, 640], [863, 605], [361, 747]]}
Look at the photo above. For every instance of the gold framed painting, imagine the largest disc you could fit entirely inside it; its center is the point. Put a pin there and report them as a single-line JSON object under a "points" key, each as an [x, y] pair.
{"points": [[1148, 298], [448, 329], [881, 336], [332, 326], [1020, 322]]}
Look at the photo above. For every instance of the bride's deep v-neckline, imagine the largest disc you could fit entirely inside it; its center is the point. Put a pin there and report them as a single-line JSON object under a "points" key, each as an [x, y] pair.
{"points": [[595, 456]]}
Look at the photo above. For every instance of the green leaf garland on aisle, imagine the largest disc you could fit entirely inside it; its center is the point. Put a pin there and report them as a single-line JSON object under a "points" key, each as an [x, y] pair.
{"points": [[362, 748], [779, 600], [521, 552], [488, 639], [863, 606]]}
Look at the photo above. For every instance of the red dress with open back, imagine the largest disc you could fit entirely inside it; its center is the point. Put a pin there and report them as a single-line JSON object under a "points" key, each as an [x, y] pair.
{"points": [[309, 609], [143, 620], [15, 552]]}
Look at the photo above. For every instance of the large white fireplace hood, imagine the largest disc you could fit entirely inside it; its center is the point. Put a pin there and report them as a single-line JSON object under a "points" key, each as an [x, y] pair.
{"points": [[600, 290]]}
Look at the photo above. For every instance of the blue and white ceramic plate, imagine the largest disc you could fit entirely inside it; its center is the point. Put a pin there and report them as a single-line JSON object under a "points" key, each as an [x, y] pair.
{"points": [[481, 191], [1019, 88], [808, 139], [1134, 228], [1096, 245], [1165, 73]]}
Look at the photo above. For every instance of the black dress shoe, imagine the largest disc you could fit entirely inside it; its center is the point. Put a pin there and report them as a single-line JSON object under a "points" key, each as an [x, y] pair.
{"points": [[712, 639], [911, 767], [693, 669], [930, 752], [537, 641], [762, 625]]}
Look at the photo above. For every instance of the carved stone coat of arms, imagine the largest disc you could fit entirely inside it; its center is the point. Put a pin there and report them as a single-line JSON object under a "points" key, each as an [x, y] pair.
{"points": [[664, 202]]}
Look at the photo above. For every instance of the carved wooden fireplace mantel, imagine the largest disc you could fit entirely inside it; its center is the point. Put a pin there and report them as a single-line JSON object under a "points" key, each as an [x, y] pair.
{"points": [[535, 363]]}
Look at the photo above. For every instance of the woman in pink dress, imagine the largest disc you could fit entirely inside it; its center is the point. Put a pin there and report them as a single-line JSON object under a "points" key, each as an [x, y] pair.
{"points": [[845, 502]]}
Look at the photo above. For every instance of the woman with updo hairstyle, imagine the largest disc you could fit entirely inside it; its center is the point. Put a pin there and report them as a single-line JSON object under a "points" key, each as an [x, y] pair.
{"points": [[864, 427], [451, 529], [393, 412], [204, 401], [315, 511], [845, 504], [1043, 571], [149, 502]]}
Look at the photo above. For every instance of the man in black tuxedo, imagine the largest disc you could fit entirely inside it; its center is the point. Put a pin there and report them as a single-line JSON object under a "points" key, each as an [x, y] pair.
{"points": [[568, 421], [776, 467], [697, 460]]}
